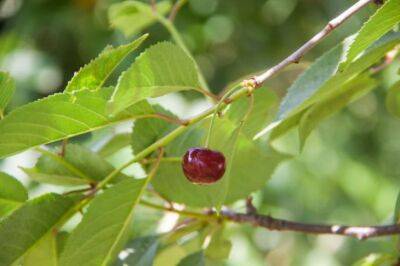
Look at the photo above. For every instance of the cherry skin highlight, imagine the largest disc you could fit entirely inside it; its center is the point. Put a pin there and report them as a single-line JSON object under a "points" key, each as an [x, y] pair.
{"points": [[203, 166]]}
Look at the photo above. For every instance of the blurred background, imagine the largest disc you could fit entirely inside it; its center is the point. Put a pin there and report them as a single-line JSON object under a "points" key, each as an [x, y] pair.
{"points": [[348, 172]]}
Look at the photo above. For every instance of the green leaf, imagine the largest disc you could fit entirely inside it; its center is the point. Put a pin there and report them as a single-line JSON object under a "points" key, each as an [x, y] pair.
{"points": [[44, 253], [322, 79], [380, 23], [377, 259], [141, 252], [132, 17], [78, 166], [26, 226], [219, 247], [183, 231], [195, 259], [100, 236], [393, 99], [116, 143], [170, 255], [348, 93], [147, 131], [12, 194], [264, 110], [54, 179], [7, 88], [60, 116], [61, 240], [163, 68], [93, 75], [311, 81]]}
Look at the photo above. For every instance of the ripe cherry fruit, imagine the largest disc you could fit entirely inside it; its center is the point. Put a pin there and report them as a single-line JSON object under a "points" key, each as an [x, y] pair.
{"points": [[203, 166]]}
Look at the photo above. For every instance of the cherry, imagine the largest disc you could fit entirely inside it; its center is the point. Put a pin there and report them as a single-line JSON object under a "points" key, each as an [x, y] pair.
{"points": [[203, 166]]}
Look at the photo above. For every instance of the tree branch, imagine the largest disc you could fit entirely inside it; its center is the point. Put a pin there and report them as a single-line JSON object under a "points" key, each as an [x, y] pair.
{"points": [[295, 57], [274, 224]]}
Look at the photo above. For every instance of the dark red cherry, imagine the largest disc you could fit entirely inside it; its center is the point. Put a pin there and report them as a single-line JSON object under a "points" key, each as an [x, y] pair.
{"points": [[203, 166]]}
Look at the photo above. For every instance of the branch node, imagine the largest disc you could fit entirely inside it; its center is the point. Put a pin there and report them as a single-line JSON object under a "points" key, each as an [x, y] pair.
{"points": [[297, 60], [330, 26], [251, 84], [185, 122], [250, 209], [228, 100]]}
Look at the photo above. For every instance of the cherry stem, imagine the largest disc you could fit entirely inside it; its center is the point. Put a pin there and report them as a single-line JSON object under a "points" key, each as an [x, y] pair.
{"points": [[63, 147], [215, 113], [154, 169], [209, 94]]}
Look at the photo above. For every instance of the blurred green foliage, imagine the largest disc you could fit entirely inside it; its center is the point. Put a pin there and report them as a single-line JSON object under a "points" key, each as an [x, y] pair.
{"points": [[348, 171]]}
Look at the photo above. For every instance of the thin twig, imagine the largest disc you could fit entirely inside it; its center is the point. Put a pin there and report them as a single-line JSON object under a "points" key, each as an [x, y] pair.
{"points": [[175, 9], [389, 58], [176, 36], [197, 215], [209, 94], [63, 147], [153, 5], [78, 191], [295, 57]]}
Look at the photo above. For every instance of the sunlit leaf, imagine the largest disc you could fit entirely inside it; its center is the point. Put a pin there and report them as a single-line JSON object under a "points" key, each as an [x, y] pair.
{"points": [[44, 253], [93, 75], [103, 229], [12, 194], [132, 17], [27, 226], [77, 166], [378, 24], [163, 68], [60, 116]]}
